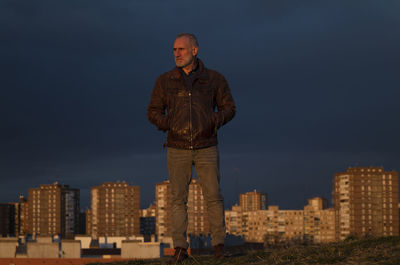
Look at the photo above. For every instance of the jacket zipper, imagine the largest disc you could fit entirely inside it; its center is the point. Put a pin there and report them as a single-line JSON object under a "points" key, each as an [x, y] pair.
{"points": [[190, 120]]}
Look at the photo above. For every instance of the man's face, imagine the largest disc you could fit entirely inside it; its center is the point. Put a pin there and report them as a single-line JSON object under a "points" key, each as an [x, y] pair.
{"points": [[184, 51]]}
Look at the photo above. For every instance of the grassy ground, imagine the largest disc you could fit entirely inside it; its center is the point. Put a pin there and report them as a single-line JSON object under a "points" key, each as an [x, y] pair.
{"points": [[364, 251]]}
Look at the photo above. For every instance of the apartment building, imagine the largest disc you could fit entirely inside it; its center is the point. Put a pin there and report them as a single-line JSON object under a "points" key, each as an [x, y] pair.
{"points": [[6, 219], [53, 209], [197, 211], [240, 220], [319, 221], [115, 210], [163, 209], [233, 220], [20, 216], [255, 225], [272, 225], [14, 218], [292, 223], [316, 223], [365, 201], [253, 201], [196, 207]]}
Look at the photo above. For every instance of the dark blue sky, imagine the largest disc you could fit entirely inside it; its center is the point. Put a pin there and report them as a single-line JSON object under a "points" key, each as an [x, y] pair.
{"points": [[316, 85]]}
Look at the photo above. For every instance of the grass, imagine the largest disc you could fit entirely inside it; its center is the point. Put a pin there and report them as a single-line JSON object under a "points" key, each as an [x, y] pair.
{"points": [[385, 250]]}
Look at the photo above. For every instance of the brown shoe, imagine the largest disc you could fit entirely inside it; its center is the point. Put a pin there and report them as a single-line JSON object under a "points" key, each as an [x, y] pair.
{"points": [[179, 255], [219, 251]]}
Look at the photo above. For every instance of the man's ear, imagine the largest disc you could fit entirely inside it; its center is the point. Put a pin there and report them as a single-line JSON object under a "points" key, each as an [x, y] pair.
{"points": [[195, 50]]}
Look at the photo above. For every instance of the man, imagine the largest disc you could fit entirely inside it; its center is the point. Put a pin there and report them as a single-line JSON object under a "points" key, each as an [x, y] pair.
{"points": [[191, 102]]}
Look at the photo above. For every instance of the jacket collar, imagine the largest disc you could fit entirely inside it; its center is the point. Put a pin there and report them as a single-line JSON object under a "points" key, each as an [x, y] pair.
{"points": [[202, 72]]}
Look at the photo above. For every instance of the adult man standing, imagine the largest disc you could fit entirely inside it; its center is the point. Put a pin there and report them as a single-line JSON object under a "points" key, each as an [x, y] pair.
{"points": [[191, 102]]}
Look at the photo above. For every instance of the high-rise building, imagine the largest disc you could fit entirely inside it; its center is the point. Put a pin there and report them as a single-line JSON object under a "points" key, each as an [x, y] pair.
{"points": [[71, 205], [253, 201], [196, 207], [197, 211], [319, 221], [53, 209], [115, 210], [365, 201]]}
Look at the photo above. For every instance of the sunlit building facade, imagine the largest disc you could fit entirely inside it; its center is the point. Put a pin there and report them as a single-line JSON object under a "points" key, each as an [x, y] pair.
{"points": [[20, 216], [233, 220], [274, 225], [319, 221], [115, 210], [163, 209], [365, 201], [196, 208], [253, 201], [291, 225], [53, 209], [269, 226], [197, 211]]}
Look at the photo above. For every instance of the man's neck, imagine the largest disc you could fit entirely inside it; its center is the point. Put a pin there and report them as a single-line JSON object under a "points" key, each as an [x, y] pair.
{"points": [[187, 69]]}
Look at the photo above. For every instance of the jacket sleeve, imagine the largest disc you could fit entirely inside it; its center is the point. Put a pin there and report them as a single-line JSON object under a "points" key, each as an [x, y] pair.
{"points": [[156, 109], [225, 104]]}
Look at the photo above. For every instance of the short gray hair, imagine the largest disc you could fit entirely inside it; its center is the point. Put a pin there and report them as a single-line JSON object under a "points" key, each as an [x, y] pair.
{"points": [[191, 37]]}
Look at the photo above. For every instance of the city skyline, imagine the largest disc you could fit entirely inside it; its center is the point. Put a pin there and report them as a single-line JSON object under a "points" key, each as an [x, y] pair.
{"points": [[261, 202], [366, 202], [85, 204], [315, 84]]}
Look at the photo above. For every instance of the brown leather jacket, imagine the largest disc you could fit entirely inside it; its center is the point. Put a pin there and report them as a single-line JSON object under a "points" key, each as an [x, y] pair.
{"points": [[190, 116]]}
